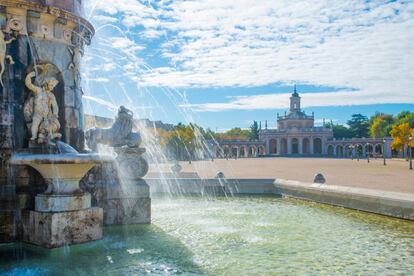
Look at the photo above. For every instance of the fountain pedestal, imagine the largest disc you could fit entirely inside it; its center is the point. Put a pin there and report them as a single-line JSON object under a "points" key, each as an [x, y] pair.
{"points": [[57, 229], [63, 214]]}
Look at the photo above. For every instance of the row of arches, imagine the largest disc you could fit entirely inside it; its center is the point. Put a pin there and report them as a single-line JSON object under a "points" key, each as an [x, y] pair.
{"points": [[239, 151], [297, 146], [350, 150]]}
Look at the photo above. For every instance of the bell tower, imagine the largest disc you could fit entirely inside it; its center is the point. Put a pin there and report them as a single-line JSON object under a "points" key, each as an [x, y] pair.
{"points": [[294, 101]]}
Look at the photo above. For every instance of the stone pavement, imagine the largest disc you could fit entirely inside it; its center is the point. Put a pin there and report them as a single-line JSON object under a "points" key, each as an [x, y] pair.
{"points": [[394, 177]]}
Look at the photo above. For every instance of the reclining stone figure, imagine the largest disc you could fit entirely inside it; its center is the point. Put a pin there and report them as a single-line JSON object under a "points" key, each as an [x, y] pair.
{"points": [[119, 135]]}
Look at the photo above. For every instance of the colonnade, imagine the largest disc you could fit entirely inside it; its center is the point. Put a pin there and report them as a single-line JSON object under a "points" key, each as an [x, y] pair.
{"points": [[238, 151], [295, 145]]}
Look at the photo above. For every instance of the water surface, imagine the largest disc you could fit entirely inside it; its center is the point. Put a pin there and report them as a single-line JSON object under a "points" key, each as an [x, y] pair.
{"points": [[233, 236]]}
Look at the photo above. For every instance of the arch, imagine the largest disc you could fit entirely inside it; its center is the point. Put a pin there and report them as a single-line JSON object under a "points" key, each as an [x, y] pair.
{"points": [[359, 150], [347, 150], [331, 150], [369, 149], [317, 146], [243, 151], [295, 146], [226, 151], [305, 146], [272, 146], [283, 146], [378, 149], [234, 151], [252, 151], [261, 150], [339, 151]]}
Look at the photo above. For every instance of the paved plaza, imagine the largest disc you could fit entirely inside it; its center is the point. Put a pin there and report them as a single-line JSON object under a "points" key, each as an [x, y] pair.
{"points": [[344, 172]]}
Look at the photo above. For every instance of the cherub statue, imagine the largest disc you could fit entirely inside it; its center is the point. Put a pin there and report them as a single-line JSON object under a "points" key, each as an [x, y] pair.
{"points": [[41, 110], [3, 55]]}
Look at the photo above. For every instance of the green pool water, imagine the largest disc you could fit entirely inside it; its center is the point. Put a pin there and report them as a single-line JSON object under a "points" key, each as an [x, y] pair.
{"points": [[233, 236]]}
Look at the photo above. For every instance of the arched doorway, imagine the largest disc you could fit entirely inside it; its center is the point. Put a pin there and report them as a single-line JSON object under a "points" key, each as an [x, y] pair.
{"points": [[378, 149], [339, 151], [369, 149], [261, 150], [317, 146], [331, 150], [305, 146], [234, 151], [358, 150], [252, 151], [272, 146], [242, 151], [226, 151], [295, 146], [283, 146]]}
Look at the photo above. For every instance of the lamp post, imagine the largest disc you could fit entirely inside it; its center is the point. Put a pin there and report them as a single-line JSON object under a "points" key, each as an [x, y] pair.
{"points": [[410, 139], [189, 152], [383, 151]]}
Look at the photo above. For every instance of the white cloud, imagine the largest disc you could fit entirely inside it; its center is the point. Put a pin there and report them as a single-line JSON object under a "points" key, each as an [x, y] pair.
{"points": [[363, 47], [315, 99]]}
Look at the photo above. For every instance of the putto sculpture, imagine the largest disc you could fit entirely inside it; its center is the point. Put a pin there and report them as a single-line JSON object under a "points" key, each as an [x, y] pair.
{"points": [[41, 108]]}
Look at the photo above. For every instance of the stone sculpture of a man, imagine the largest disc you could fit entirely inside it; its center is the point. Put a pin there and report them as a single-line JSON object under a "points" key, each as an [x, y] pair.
{"points": [[42, 109]]}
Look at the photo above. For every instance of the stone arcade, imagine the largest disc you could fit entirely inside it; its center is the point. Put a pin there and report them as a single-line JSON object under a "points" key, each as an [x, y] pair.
{"points": [[297, 135]]}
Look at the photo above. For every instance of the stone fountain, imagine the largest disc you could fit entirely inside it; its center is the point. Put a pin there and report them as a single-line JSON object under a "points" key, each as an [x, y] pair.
{"points": [[42, 152], [63, 214], [118, 187]]}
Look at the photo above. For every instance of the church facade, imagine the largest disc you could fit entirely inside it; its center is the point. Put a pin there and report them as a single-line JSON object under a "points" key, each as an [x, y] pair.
{"points": [[296, 133]]}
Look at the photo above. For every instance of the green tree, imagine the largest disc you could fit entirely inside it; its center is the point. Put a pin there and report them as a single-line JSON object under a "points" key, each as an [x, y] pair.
{"points": [[235, 133], [380, 125], [254, 131], [405, 117], [341, 131], [359, 125]]}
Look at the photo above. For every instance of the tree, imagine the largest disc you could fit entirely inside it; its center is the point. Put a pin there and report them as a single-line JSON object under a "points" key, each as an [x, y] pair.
{"points": [[254, 131], [381, 125], [401, 134], [235, 133], [405, 117], [359, 125], [341, 131]]}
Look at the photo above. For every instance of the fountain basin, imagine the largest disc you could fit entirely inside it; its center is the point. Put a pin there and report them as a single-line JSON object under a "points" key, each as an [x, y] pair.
{"points": [[63, 213], [62, 171]]}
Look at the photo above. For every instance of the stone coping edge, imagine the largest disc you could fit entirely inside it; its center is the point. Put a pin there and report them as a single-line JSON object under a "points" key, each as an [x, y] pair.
{"points": [[388, 203]]}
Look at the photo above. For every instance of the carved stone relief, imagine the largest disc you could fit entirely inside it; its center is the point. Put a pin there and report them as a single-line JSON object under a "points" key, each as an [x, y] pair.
{"points": [[3, 55]]}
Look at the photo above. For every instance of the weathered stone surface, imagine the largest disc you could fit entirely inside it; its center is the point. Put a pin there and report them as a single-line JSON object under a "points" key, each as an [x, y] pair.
{"points": [[127, 211], [126, 203], [62, 203], [8, 225], [53, 230]]}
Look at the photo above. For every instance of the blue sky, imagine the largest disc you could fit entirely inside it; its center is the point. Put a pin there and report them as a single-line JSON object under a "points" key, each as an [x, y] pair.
{"points": [[225, 63]]}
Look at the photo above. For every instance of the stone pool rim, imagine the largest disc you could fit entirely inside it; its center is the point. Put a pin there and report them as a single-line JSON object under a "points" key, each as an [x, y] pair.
{"points": [[387, 203]]}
